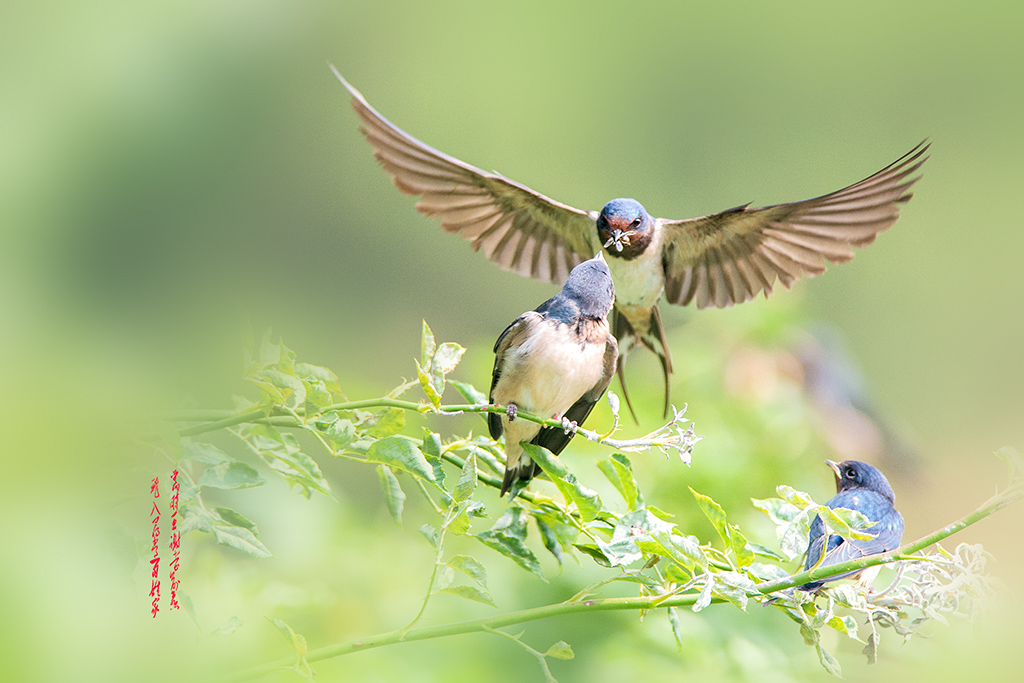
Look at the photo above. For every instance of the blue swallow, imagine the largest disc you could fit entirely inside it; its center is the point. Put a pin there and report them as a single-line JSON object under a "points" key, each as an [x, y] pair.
{"points": [[712, 261], [863, 488], [555, 361]]}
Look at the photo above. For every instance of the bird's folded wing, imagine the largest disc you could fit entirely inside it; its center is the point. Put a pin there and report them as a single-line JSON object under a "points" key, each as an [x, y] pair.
{"points": [[513, 336], [727, 258], [517, 228]]}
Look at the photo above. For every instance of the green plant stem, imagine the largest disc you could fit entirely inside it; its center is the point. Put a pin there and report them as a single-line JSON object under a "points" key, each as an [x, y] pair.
{"points": [[996, 503]]}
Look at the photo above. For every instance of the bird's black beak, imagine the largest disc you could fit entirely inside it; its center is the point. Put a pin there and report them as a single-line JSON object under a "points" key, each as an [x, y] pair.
{"points": [[834, 466]]}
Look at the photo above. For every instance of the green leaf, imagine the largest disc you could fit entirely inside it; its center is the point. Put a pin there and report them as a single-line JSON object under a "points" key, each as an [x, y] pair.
{"points": [[846, 625], [470, 593], [470, 393], [240, 538], [389, 422], [555, 535], [280, 386], [326, 377], [508, 537], [430, 533], [394, 497], [205, 453], [195, 517], [427, 345], [595, 552], [797, 498], [673, 619], [730, 533], [467, 480], [446, 359], [399, 452], [845, 522], [295, 641], [282, 453], [632, 528], [560, 650], [780, 511], [234, 518], [706, 593], [619, 472], [587, 501], [470, 567], [338, 430], [459, 523], [233, 474]]}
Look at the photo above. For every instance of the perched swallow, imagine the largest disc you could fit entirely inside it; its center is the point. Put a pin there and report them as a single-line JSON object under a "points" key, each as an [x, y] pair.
{"points": [[863, 488], [555, 361], [716, 260]]}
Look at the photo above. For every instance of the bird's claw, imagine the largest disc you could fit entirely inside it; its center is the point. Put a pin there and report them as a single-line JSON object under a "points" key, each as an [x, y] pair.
{"points": [[569, 425], [511, 410]]}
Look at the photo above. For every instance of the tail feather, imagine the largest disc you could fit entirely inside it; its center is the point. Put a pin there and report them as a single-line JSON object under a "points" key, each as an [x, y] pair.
{"points": [[523, 469], [652, 338]]}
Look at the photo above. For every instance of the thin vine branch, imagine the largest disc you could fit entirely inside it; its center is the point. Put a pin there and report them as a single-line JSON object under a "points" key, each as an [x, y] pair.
{"points": [[993, 505]]}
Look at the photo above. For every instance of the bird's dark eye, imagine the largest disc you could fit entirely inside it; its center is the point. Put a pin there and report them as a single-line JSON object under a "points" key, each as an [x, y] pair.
{"points": [[851, 474], [635, 223]]}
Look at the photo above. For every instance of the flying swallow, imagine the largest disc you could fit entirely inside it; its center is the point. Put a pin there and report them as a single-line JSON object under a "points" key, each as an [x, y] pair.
{"points": [[712, 261], [863, 488], [555, 361]]}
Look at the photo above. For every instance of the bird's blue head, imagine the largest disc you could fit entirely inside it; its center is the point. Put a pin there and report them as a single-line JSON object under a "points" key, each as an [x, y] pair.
{"points": [[625, 228], [854, 474], [589, 288]]}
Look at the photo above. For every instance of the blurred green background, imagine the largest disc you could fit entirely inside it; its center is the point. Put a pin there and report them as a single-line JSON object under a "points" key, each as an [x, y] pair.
{"points": [[174, 175]]}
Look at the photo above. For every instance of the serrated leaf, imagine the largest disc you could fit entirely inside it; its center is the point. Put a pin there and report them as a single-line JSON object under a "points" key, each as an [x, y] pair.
{"points": [[340, 431], [780, 511], [508, 536], [399, 452], [797, 498], [205, 453], [295, 641], [845, 522], [729, 533], [871, 648], [470, 393], [194, 517], [429, 533], [282, 452], [240, 538], [323, 375], [459, 524], [619, 472], [233, 474], [427, 345], [281, 386], [596, 553], [704, 599], [830, 663], [587, 501], [470, 567], [444, 577], [846, 625], [235, 518], [470, 593], [673, 619], [467, 480], [390, 421], [446, 359], [560, 650], [394, 497]]}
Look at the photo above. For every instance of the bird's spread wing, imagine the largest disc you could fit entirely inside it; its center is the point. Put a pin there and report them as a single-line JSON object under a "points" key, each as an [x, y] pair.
{"points": [[727, 258], [517, 228], [513, 336], [555, 439]]}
